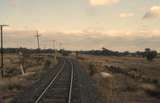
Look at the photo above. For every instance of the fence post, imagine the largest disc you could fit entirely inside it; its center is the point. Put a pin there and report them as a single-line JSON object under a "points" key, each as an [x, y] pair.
{"points": [[21, 62]]}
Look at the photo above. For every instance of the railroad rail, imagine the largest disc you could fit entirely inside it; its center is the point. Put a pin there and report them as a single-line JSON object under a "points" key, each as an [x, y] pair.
{"points": [[59, 90]]}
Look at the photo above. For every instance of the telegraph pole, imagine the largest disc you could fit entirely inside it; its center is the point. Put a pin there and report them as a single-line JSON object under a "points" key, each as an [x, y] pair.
{"points": [[2, 64], [37, 36], [55, 52], [60, 46]]}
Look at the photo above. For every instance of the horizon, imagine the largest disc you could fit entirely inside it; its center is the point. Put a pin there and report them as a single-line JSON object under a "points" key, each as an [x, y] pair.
{"points": [[80, 50]]}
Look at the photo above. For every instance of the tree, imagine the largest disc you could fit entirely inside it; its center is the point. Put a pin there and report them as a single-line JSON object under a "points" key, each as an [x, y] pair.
{"points": [[64, 52], [150, 54]]}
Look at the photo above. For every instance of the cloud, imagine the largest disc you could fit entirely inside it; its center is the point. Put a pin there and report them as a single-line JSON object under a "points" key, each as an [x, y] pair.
{"points": [[13, 2], [125, 15], [103, 2], [153, 12], [113, 39]]}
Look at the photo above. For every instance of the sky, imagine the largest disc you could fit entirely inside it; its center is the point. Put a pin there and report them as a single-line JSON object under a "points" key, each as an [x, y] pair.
{"points": [[82, 24]]}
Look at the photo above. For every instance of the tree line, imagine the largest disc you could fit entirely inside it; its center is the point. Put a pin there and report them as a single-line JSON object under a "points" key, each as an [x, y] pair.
{"points": [[26, 50], [147, 53]]}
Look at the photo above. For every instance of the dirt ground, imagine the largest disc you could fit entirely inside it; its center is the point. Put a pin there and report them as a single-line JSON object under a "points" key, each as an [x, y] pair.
{"points": [[125, 79]]}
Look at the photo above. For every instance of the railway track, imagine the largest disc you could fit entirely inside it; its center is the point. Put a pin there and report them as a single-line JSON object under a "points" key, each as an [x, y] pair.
{"points": [[60, 88]]}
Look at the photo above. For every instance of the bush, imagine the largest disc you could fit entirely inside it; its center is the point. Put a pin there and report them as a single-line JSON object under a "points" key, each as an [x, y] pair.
{"points": [[47, 63], [92, 68], [10, 84], [10, 72], [150, 55]]}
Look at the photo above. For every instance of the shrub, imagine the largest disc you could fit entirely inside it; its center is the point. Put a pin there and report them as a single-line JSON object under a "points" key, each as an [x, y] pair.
{"points": [[9, 72], [150, 55], [47, 63]]}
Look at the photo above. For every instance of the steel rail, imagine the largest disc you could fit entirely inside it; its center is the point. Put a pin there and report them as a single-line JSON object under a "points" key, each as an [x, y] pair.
{"points": [[71, 84], [52, 82]]}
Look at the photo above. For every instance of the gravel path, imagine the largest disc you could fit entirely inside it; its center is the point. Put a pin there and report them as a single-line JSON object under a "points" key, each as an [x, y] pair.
{"points": [[88, 87]]}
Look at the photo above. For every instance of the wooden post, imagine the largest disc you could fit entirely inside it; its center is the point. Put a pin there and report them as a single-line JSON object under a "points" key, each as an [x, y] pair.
{"points": [[2, 72], [2, 64], [22, 68], [55, 51], [21, 62]]}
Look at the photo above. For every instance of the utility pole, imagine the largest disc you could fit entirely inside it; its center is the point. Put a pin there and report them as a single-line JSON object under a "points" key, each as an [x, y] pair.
{"points": [[37, 36], [38, 44], [55, 52], [60, 46], [2, 64]]}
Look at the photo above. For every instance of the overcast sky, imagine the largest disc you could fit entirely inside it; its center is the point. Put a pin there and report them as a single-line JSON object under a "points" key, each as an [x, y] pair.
{"points": [[82, 24]]}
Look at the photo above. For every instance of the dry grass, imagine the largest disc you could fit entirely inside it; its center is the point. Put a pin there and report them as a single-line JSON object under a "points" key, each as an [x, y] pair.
{"points": [[134, 80], [14, 82]]}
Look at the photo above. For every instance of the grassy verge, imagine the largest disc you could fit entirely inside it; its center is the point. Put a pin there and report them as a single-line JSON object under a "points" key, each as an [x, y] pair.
{"points": [[14, 81], [125, 79]]}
